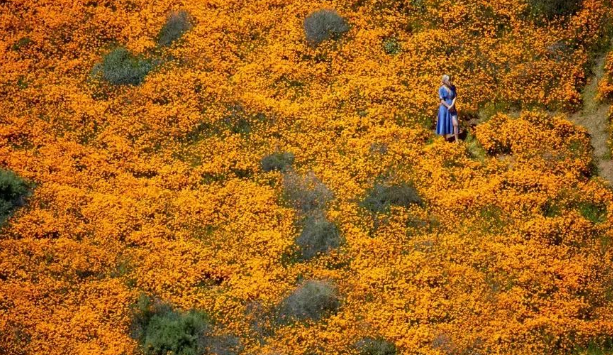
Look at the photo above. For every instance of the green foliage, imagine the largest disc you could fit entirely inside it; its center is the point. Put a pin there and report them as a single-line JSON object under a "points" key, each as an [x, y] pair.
{"points": [[313, 300], [21, 43], [596, 213], [163, 330], [306, 193], [324, 24], [13, 191], [375, 346], [596, 347], [318, 236], [279, 161], [380, 197], [176, 25], [474, 149], [551, 208], [554, 8], [391, 46], [120, 67]]}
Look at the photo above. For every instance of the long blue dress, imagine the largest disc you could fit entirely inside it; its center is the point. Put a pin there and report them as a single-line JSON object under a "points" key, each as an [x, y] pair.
{"points": [[444, 124]]}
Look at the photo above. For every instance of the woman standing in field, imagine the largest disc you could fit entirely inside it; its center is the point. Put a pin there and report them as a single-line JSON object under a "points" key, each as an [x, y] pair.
{"points": [[447, 122]]}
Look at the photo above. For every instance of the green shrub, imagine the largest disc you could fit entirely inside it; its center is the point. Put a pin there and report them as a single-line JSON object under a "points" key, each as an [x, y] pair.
{"points": [[380, 197], [313, 300], [21, 43], [391, 46], [318, 236], [553, 8], [176, 25], [596, 213], [161, 330], [13, 192], [375, 346], [324, 24], [279, 161], [306, 193], [120, 67]]}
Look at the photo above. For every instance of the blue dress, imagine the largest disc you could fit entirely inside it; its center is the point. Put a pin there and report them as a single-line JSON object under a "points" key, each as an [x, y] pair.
{"points": [[444, 125]]}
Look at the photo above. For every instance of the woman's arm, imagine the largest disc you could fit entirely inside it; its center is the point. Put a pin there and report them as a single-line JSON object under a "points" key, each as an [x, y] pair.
{"points": [[442, 97]]}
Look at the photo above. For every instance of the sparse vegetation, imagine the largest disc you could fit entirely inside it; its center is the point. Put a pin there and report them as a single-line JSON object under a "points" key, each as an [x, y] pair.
{"points": [[312, 300], [306, 193], [318, 236], [324, 24], [176, 25]]}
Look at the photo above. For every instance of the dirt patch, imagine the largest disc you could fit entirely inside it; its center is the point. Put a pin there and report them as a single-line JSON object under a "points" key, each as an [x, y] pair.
{"points": [[594, 117]]}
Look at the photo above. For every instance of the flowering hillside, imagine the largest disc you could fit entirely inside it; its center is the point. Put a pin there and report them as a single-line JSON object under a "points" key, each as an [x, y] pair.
{"points": [[261, 177]]}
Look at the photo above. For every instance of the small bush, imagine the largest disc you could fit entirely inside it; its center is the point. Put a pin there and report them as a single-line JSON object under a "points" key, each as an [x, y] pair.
{"points": [[279, 161], [324, 24], [306, 193], [179, 333], [177, 24], [318, 236], [553, 8], [375, 346], [380, 197], [161, 330], [313, 299], [596, 213], [21, 43], [13, 191], [120, 67], [391, 46]]}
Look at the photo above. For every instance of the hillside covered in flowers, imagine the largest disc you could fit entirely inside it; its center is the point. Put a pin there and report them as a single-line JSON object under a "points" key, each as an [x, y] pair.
{"points": [[262, 177]]}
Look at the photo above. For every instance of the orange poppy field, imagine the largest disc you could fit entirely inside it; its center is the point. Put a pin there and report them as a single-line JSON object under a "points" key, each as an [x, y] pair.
{"points": [[263, 177]]}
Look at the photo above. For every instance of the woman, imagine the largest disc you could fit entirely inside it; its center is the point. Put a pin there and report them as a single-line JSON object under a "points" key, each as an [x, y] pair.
{"points": [[447, 122]]}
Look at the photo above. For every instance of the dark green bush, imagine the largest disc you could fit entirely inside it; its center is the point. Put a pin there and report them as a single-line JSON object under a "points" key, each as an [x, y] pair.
{"points": [[553, 8], [596, 213], [375, 346], [313, 299], [324, 24], [279, 161], [177, 24], [120, 67], [161, 330], [318, 236], [21, 43], [380, 197], [13, 192], [306, 193]]}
